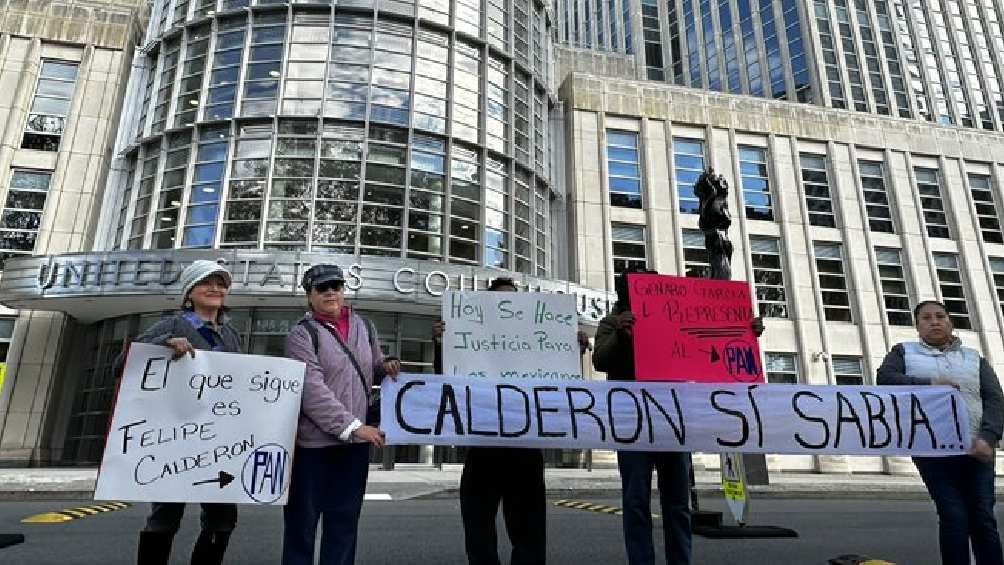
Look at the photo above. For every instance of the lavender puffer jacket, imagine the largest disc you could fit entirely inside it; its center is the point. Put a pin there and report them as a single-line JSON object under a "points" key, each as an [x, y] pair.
{"points": [[333, 395]]}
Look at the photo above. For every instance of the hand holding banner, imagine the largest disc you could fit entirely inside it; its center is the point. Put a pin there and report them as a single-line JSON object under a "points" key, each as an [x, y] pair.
{"points": [[691, 329], [218, 427]]}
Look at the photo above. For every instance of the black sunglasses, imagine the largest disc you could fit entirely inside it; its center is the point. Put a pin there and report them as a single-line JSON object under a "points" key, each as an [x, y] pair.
{"points": [[329, 285]]}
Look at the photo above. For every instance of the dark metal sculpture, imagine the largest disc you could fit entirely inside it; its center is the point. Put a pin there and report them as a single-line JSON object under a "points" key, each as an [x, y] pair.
{"points": [[712, 190]]}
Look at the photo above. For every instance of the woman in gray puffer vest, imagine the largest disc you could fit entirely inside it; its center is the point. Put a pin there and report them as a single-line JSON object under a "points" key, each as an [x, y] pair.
{"points": [[961, 486]]}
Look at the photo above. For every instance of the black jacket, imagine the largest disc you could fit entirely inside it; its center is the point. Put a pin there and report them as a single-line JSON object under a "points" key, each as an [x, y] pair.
{"points": [[613, 350]]}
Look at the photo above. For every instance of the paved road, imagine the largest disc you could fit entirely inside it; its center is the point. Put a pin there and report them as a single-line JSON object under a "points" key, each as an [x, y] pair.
{"points": [[406, 532]]}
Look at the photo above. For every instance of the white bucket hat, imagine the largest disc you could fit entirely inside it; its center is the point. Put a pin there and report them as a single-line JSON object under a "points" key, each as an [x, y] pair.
{"points": [[199, 271]]}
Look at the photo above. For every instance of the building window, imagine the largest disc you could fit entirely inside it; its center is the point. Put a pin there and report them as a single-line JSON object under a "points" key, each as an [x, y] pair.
{"points": [[190, 86], [876, 198], [382, 214], [172, 188], [688, 160], [768, 276], [169, 67], [50, 106], [816, 186], [426, 202], [264, 66], [695, 255], [953, 292], [986, 208], [781, 368], [832, 281], [204, 200], [6, 333], [22, 213], [337, 202], [147, 183], [249, 169], [498, 191], [848, 370], [653, 40], [305, 67], [755, 183], [292, 184], [224, 79], [935, 218], [465, 204], [628, 246], [997, 268], [895, 292], [624, 168]]}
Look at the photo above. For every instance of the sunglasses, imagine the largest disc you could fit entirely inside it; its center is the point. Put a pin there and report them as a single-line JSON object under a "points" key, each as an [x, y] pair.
{"points": [[329, 285]]}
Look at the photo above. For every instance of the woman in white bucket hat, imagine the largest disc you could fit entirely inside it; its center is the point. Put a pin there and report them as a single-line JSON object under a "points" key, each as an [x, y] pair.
{"points": [[201, 324]]}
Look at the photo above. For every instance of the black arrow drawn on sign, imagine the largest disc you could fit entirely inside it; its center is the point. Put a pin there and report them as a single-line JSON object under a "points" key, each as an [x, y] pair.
{"points": [[714, 353], [224, 478]]}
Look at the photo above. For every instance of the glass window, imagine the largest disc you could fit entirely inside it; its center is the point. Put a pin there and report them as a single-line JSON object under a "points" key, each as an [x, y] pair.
{"points": [[50, 106], [264, 66], [876, 198], [935, 219], [688, 165], [987, 214], [816, 187], [624, 169], [190, 85], [768, 277], [628, 243], [953, 290], [833, 285], [695, 256], [997, 269], [756, 183], [895, 291], [781, 368], [848, 370], [22, 212]]}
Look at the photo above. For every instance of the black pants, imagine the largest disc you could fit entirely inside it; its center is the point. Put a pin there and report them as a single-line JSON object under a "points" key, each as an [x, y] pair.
{"points": [[514, 477], [216, 517]]}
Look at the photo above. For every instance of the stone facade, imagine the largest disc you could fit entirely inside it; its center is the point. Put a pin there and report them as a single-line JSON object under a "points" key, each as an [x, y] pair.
{"points": [[597, 105], [98, 37]]}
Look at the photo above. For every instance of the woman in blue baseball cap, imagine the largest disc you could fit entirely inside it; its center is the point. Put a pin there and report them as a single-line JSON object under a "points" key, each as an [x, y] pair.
{"points": [[338, 421]]}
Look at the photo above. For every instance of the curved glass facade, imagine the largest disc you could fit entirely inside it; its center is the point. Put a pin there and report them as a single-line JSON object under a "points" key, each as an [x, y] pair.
{"points": [[367, 128]]}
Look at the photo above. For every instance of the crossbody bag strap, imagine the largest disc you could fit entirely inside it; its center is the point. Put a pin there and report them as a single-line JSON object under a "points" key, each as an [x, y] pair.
{"points": [[348, 352]]}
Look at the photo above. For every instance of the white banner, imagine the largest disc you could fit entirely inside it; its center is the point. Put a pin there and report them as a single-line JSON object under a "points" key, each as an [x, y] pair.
{"points": [[511, 335], [218, 427], [654, 416]]}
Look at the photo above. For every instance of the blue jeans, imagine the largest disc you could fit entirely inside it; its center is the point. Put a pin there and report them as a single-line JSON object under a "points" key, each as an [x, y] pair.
{"points": [[963, 492], [674, 495], [328, 483]]}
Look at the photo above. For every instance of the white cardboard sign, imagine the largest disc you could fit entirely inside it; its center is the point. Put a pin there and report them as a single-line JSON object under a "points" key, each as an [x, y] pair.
{"points": [[663, 416], [219, 427], [514, 335]]}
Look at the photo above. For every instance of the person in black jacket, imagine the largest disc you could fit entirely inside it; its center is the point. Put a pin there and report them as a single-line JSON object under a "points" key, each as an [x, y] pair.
{"points": [[613, 354], [510, 476]]}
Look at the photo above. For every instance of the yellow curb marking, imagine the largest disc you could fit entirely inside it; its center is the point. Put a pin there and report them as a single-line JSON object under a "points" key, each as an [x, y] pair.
{"points": [[60, 516], [590, 507]]}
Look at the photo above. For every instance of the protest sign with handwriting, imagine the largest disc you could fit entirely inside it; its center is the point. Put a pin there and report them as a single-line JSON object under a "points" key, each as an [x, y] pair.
{"points": [[689, 329], [511, 335], [218, 427], [656, 416]]}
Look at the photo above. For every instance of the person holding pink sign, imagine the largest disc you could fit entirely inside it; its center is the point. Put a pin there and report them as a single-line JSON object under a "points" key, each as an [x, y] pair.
{"points": [[614, 355]]}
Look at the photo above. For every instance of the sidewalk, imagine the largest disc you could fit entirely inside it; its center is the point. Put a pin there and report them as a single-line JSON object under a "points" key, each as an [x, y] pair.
{"points": [[419, 481]]}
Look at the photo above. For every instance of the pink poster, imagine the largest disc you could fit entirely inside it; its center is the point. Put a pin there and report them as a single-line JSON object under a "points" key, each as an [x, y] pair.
{"points": [[697, 330]]}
